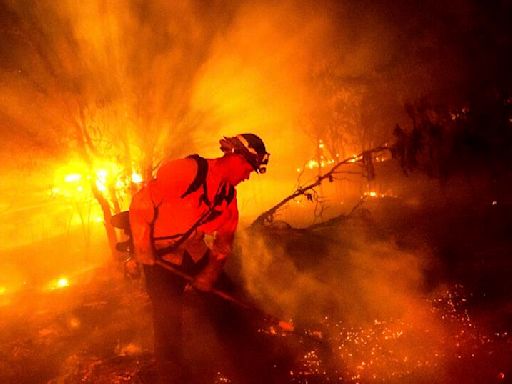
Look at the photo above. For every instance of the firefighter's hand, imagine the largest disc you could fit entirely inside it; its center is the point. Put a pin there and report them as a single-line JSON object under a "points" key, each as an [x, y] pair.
{"points": [[203, 284]]}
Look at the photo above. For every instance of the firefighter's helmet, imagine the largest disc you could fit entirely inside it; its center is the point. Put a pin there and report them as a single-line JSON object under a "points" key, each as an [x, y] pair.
{"points": [[250, 146]]}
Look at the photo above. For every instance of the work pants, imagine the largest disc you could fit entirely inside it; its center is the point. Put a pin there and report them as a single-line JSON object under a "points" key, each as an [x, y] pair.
{"points": [[166, 291], [197, 335]]}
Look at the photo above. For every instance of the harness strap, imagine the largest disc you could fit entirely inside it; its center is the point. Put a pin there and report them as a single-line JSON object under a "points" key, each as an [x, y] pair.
{"points": [[200, 179]]}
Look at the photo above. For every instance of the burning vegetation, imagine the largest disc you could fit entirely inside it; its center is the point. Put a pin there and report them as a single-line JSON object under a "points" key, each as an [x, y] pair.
{"points": [[376, 248]]}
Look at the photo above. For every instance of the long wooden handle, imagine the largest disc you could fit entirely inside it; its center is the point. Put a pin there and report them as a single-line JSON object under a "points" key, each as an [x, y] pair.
{"points": [[217, 292]]}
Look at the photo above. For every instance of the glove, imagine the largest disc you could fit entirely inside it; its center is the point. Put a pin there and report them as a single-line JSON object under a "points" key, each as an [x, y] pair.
{"points": [[202, 284], [206, 279]]}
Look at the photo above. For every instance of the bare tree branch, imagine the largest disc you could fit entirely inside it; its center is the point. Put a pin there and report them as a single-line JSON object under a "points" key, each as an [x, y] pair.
{"points": [[268, 216]]}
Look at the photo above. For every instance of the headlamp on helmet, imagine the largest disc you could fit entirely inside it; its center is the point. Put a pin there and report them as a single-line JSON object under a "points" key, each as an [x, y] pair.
{"points": [[250, 146]]}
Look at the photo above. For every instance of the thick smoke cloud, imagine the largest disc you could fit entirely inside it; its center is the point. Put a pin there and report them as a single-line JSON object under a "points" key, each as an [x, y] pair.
{"points": [[342, 272], [139, 81], [229, 66]]}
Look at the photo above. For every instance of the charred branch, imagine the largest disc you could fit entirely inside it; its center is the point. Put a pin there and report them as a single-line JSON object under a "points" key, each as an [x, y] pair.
{"points": [[267, 217]]}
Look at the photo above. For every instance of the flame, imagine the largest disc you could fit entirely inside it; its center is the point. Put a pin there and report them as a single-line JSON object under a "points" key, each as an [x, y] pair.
{"points": [[73, 180], [62, 282], [101, 179], [312, 164], [59, 283], [374, 194], [74, 323], [72, 177], [98, 219], [137, 178]]}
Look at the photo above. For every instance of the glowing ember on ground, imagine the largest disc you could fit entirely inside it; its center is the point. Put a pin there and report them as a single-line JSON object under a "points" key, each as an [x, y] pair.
{"points": [[399, 349], [74, 323], [221, 378], [130, 349]]}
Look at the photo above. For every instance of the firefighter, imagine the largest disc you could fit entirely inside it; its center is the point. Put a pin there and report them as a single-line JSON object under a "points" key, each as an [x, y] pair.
{"points": [[187, 215]]}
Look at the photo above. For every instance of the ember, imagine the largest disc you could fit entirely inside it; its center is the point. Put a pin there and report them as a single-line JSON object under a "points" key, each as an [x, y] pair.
{"points": [[397, 349], [61, 282]]}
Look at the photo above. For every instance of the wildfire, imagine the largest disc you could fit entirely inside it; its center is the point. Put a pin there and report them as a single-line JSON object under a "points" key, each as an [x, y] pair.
{"points": [[75, 179], [312, 164], [59, 283], [101, 179], [353, 159], [137, 178], [375, 194], [72, 177]]}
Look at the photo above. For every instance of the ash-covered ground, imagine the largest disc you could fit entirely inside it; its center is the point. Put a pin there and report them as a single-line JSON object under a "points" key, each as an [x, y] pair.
{"points": [[366, 310]]}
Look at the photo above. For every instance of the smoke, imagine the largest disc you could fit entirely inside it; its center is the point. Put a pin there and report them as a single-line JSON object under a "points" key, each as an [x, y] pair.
{"points": [[146, 81], [344, 273], [367, 296], [134, 82]]}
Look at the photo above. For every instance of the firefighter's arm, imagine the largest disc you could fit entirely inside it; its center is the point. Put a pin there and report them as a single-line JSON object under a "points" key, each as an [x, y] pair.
{"points": [[220, 249], [142, 211]]}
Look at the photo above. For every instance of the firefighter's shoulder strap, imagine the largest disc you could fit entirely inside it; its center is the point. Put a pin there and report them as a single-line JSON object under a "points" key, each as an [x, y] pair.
{"points": [[225, 192], [200, 179]]}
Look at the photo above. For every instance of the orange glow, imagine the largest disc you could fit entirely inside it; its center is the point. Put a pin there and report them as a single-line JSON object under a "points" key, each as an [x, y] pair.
{"points": [[137, 177], [72, 177], [74, 323], [59, 283], [312, 164], [101, 179], [73, 180]]}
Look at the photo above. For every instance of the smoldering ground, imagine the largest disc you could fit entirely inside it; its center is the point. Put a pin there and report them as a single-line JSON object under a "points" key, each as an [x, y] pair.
{"points": [[372, 298]]}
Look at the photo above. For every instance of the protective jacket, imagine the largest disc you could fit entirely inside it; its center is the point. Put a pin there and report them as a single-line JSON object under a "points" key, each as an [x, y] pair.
{"points": [[166, 208]]}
